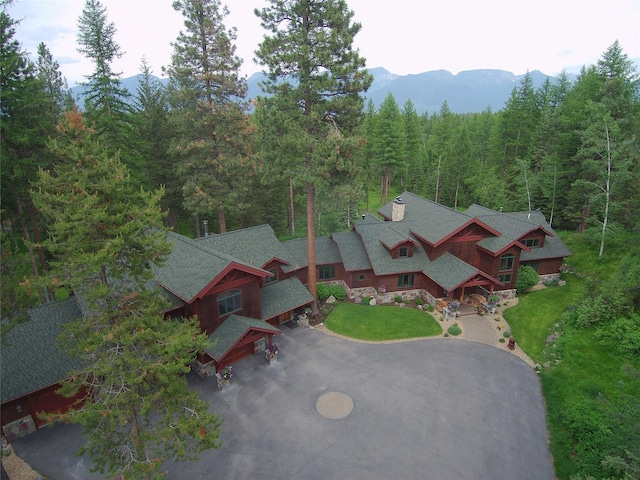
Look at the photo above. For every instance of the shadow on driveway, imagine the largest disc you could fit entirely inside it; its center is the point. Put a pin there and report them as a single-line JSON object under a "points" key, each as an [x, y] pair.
{"points": [[432, 409]]}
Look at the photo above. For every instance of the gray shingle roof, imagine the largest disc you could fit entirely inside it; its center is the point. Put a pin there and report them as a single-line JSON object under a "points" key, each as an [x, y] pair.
{"points": [[190, 267], [449, 271], [283, 296], [380, 257], [232, 330], [30, 357], [326, 253], [429, 220], [255, 245], [515, 225], [351, 248]]}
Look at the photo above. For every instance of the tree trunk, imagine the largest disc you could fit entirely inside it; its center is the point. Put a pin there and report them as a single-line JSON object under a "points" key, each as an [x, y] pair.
{"points": [[311, 246], [36, 237], [292, 210], [607, 192], [387, 183], [221, 219], [585, 215], [27, 241], [438, 178]]}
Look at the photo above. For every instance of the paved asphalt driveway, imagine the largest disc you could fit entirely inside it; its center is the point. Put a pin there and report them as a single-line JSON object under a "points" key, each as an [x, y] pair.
{"points": [[429, 409]]}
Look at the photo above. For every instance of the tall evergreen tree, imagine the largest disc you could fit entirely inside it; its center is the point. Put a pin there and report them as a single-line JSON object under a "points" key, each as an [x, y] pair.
{"points": [[413, 148], [105, 236], [154, 134], [105, 99], [315, 77], [389, 145], [207, 96], [27, 119]]}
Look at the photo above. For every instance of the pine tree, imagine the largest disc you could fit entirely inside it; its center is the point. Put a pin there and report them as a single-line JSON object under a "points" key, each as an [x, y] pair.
{"points": [[107, 103], [27, 119], [413, 149], [315, 78], [105, 236], [207, 93], [154, 134], [389, 143]]}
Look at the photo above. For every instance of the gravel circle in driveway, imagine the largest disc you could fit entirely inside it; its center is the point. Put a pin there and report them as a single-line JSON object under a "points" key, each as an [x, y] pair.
{"points": [[334, 405]]}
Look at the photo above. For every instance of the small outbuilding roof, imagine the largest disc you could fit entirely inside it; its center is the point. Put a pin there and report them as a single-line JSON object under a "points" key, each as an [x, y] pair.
{"points": [[30, 356], [232, 330]]}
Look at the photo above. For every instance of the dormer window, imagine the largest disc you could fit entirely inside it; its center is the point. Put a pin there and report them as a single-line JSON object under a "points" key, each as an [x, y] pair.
{"points": [[273, 279], [532, 242], [403, 252]]}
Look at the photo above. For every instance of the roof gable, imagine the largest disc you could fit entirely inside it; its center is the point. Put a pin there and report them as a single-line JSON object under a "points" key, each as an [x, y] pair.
{"points": [[450, 272], [191, 269], [232, 330]]}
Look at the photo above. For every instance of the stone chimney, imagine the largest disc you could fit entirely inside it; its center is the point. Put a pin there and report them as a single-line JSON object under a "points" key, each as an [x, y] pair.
{"points": [[397, 210]]}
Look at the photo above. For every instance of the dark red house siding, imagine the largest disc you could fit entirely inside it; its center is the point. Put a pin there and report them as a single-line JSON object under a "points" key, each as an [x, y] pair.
{"points": [[353, 279]]}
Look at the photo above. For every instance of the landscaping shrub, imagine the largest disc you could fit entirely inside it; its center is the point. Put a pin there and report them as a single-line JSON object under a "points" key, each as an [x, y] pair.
{"points": [[397, 298], [366, 300], [418, 301], [623, 334], [430, 308], [454, 330], [527, 278], [338, 292], [322, 291]]}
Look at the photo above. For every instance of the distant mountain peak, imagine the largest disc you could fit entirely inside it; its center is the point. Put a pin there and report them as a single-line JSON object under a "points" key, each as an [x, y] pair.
{"points": [[468, 91]]}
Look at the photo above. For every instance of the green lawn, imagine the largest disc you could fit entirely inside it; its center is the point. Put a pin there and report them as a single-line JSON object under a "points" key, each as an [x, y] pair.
{"points": [[537, 312], [591, 394], [380, 323]]}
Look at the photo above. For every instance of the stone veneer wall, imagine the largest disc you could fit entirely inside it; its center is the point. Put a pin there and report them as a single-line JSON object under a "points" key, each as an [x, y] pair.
{"points": [[204, 370], [357, 294], [549, 278]]}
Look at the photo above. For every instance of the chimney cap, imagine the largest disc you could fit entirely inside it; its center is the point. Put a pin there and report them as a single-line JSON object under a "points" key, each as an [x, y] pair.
{"points": [[398, 200]]}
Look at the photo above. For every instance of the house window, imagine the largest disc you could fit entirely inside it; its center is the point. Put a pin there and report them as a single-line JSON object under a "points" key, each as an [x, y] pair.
{"points": [[405, 281], [506, 262], [272, 279], [532, 242], [535, 266], [229, 302], [505, 278], [361, 277], [403, 252], [327, 272]]}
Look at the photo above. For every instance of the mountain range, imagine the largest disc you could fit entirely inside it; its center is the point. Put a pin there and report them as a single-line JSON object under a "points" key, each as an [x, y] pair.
{"points": [[467, 92]]}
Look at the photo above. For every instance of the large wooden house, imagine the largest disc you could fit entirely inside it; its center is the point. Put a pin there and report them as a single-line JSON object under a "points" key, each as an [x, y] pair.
{"points": [[244, 284]]}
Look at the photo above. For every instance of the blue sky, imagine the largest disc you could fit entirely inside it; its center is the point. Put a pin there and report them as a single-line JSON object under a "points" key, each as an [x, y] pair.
{"points": [[404, 36]]}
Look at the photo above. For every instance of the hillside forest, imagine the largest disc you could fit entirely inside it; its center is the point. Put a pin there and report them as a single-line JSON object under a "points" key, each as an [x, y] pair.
{"points": [[307, 155]]}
